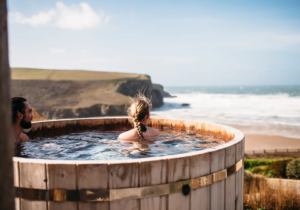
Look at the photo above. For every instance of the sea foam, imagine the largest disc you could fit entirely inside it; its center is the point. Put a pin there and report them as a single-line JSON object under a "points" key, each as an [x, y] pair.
{"points": [[271, 114]]}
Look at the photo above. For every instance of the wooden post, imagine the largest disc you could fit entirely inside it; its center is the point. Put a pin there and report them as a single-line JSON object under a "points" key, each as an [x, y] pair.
{"points": [[6, 149]]}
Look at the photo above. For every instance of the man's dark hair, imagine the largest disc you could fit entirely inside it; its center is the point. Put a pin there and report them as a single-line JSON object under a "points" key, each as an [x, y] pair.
{"points": [[17, 105]]}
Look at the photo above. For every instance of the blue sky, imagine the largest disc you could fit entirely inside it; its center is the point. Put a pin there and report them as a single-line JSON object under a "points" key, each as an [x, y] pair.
{"points": [[177, 43]]}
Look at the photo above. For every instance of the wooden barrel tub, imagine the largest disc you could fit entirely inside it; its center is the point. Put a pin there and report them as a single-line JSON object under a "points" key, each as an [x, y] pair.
{"points": [[206, 179]]}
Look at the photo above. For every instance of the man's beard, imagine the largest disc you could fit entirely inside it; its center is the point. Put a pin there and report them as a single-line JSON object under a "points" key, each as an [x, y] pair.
{"points": [[24, 124]]}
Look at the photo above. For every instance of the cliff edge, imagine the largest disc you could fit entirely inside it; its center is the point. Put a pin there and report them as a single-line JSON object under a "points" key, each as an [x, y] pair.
{"points": [[58, 94]]}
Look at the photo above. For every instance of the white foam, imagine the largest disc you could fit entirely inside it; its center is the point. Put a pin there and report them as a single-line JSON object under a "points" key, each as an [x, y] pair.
{"points": [[279, 113]]}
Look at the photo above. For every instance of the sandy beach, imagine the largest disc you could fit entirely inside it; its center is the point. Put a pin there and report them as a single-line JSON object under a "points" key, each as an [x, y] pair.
{"points": [[260, 142], [268, 142]]}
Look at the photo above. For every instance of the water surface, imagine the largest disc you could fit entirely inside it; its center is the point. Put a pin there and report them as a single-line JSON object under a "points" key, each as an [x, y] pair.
{"points": [[268, 110], [103, 145]]}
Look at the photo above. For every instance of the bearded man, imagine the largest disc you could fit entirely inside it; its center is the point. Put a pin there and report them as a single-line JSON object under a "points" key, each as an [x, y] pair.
{"points": [[21, 119]]}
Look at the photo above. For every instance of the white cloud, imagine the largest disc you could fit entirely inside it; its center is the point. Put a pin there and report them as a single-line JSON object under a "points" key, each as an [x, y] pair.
{"points": [[79, 16], [58, 50], [39, 19]]}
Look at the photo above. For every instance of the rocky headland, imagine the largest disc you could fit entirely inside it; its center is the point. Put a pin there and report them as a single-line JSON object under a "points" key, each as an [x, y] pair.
{"points": [[57, 94]]}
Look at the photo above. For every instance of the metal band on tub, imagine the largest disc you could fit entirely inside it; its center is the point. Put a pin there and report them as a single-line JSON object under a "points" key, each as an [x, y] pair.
{"points": [[100, 195]]}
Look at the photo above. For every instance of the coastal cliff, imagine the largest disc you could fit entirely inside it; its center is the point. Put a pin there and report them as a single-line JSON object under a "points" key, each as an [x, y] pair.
{"points": [[57, 94]]}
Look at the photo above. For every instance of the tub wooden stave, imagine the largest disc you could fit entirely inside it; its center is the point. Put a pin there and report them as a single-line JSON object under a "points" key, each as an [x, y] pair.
{"points": [[77, 175]]}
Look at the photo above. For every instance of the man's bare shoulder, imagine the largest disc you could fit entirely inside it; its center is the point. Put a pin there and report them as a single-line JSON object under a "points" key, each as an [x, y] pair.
{"points": [[24, 137]]}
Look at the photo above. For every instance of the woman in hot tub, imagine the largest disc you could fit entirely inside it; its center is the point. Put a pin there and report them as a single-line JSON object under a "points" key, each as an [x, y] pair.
{"points": [[139, 111]]}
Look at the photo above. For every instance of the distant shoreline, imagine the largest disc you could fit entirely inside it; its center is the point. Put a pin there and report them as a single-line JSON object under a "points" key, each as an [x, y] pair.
{"points": [[270, 111], [259, 142], [264, 141]]}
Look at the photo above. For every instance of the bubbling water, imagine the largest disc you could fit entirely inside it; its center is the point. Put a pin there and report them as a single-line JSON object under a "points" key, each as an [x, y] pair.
{"points": [[103, 145]]}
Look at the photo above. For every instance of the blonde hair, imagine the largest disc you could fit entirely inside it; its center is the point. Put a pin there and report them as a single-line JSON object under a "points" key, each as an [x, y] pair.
{"points": [[139, 108]]}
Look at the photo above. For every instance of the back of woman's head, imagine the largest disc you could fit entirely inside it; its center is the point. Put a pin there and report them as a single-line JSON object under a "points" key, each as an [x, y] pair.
{"points": [[140, 107]]}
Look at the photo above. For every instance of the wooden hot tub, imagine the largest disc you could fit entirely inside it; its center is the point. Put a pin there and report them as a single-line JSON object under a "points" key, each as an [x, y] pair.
{"points": [[208, 179]]}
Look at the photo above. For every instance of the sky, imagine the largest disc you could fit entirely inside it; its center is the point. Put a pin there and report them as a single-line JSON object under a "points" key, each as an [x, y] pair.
{"points": [[177, 43]]}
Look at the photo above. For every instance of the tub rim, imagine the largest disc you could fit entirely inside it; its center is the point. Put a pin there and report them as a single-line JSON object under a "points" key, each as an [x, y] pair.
{"points": [[239, 137]]}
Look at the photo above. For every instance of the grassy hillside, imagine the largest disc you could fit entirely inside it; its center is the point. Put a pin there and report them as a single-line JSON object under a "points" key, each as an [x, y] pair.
{"points": [[73, 75], [71, 93]]}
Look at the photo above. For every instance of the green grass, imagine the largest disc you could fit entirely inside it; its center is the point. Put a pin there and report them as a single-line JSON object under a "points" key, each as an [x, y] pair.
{"points": [[249, 163], [262, 170], [267, 167], [73, 75]]}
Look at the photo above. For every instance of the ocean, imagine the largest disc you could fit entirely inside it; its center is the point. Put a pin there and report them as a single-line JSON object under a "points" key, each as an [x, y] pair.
{"points": [[269, 110]]}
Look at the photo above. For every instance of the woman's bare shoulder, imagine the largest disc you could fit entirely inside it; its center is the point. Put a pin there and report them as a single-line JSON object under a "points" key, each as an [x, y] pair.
{"points": [[128, 135], [153, 131]]}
